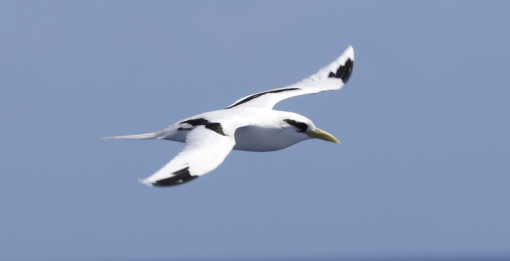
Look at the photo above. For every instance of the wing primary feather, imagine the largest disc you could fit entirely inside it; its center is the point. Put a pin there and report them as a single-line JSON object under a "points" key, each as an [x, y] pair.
{"points": [[181, 176], [344, 71]]}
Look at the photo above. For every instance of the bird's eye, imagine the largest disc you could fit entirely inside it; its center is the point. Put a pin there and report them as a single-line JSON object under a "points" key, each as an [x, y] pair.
{"points": [[300, 126]]}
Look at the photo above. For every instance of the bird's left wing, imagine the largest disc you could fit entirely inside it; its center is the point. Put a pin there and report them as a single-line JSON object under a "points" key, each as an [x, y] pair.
{"points": [[331, 77], [206, 148]]}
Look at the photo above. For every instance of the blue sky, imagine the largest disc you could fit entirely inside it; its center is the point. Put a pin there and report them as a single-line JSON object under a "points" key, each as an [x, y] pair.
{"points": [[423, 169]]}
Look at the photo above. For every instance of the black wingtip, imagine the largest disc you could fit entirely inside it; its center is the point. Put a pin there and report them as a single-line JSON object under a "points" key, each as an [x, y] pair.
{"points": [[182, 176], [344, 71]]}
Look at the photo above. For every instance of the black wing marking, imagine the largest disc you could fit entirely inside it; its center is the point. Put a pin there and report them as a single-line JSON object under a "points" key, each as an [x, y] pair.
{"points": [[196, 122], [344, 71], [247, 99], [214, 126], [181, 176]]}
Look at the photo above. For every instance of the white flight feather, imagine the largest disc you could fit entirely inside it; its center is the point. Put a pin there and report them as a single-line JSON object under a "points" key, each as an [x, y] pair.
{"points": [[318, 82], [205, 150]]}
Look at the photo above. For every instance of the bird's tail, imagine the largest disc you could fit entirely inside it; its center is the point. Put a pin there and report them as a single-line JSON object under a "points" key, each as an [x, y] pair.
{"points": [[145, 136]]}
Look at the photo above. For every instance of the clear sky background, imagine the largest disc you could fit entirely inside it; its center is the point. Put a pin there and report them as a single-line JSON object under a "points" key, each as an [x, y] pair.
{"points": [[423, 169]]}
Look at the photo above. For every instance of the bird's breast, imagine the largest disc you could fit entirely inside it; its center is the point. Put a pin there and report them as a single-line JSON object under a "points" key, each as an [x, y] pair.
{"points": [[255, 138]]}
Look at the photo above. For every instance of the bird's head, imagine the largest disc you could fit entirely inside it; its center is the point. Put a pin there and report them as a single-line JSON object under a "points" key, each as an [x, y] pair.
{"points": [[306, 127]]}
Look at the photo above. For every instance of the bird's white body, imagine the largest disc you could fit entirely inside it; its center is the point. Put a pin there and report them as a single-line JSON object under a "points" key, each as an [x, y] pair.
{"points": [[250, 124], [257, 129]]}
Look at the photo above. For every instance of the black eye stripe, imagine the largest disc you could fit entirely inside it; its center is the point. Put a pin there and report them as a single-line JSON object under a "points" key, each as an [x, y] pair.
{"points": [[300, 126]]}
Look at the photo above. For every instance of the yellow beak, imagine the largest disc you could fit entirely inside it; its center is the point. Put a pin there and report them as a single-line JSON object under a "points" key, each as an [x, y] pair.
{"points": [[320, 134]]}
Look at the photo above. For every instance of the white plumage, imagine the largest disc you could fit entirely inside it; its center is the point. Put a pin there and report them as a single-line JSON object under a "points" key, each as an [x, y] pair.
{"points": [[249, 124]]}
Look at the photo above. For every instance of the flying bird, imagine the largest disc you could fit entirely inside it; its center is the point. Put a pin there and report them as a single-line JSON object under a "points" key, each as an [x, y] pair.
{"points": [[249, 124]]}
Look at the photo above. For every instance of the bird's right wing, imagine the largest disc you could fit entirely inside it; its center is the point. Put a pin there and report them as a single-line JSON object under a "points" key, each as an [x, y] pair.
{"points": [[205, 150], [331, 77]]}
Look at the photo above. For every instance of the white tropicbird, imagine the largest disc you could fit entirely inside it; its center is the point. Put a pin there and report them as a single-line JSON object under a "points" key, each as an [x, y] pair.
{"points": [[250, 124]]}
